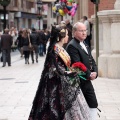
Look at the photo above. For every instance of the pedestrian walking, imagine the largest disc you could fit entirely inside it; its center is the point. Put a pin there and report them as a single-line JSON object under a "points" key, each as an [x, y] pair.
{"points": [[14, 33], [42, 43], [87, 24], [56, 98], [34, 39], [47, 36], [1, 58], [80, 52], [6, 43], [19, 42], [25, 44]]}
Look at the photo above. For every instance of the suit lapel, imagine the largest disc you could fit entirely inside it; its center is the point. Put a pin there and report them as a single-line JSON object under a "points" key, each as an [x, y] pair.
{"points": [[83, 49], [87, 48], [77, 44]]}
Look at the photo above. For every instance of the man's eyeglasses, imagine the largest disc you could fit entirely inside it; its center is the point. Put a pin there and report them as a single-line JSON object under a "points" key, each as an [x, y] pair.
{"points": [[82, 31]]}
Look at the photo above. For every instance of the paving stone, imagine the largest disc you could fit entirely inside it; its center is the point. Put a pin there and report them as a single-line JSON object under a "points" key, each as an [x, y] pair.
{"points": [[18, 87]]}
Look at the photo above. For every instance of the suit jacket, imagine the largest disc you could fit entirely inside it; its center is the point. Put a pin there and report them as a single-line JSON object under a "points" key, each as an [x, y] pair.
{"points": [[78, 54], [6, 41]]}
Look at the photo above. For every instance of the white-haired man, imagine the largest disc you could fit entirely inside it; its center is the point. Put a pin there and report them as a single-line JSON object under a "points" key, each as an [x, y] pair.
{"points": [[80, 52]]}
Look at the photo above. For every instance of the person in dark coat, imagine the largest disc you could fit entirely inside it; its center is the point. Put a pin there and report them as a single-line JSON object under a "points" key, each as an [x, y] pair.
{"points": [[25, 44], [87, 24], [19, 42], [6, 43], [42, 43], [80, 52], [34, 39]]}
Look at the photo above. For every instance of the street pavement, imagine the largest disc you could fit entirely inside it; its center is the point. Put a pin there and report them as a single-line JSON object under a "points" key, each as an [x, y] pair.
{"points": [[19, 82]]}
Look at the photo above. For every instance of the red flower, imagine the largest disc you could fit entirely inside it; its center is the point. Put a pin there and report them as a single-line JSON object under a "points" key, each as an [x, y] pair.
{"points": [[80, 66]]}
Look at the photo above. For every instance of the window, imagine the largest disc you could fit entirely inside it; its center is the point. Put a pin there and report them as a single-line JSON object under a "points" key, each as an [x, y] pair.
{"points": [[29, 4], [15, 3], [22, 4]]}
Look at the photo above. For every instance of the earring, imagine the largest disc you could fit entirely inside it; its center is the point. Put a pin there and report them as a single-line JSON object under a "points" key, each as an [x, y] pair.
{"points": [[58, 39]]}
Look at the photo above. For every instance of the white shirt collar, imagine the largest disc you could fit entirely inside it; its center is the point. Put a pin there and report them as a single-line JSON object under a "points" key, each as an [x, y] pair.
{"points": [[84, 47]]}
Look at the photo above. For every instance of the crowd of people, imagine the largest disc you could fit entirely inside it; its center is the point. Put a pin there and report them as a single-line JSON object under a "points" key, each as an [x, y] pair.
{"points": [[28, 42], [64, 92]]}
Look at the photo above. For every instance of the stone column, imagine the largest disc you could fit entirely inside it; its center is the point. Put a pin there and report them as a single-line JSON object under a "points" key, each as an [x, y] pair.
{"points": [[109, 60], [114, 58], [109, 42], [105, 43], [93, 42], [41, 23], [117, 5], [49, 17]]}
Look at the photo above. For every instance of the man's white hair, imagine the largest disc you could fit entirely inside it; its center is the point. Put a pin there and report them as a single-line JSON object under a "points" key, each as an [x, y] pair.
{"points": [[76, 25], [62, 22]]}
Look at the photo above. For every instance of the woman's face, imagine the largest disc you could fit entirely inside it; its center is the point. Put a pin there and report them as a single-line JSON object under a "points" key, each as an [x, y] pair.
{"points": [[66, 37]]}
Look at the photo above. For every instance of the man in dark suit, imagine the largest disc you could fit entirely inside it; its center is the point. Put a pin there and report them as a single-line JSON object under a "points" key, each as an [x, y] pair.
{"points": [[34, 38], [80, 52], [6, 43]]}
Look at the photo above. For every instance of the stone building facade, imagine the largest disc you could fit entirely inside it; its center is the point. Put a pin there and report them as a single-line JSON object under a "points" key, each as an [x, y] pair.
{"points": [[24, 14], [86, 7], [20, 14]]}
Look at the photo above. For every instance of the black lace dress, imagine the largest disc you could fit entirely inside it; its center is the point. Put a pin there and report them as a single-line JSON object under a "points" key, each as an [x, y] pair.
{"points": [[55, 98]]}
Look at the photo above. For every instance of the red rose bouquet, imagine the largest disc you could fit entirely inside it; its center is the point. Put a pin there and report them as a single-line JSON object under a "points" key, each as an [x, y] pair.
{"points": [[80, 68]]}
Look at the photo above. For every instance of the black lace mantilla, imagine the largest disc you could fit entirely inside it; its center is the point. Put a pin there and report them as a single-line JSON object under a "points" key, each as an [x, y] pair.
{"points": [[55, 95]]}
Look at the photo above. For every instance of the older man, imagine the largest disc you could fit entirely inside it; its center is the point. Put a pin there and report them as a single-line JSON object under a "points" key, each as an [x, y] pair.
{"points": [[80, 52], [6, 43]]}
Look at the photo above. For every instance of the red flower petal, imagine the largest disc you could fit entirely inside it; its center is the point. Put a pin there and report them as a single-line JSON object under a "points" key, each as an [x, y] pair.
{"points": [[80, 66]]}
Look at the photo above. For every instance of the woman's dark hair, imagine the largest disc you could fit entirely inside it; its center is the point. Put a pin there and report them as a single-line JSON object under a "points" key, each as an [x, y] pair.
{"points": [[57, 33]]}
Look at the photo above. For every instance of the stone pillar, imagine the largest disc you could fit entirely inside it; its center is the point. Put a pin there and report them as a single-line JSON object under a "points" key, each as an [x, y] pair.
{"points": [[117, 5], [105, 43], [109, 42], [109, 60], [114, 58], [41, 24], [93, 42], [49, 17]]}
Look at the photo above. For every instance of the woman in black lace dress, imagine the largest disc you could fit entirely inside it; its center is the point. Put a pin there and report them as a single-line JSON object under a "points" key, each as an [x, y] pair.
{"points": [[56, 98]]}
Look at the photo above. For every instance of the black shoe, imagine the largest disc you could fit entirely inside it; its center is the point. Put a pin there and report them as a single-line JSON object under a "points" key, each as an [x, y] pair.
{"points": [[3, 66], [33, 61], [9, 65], [36, 61]]}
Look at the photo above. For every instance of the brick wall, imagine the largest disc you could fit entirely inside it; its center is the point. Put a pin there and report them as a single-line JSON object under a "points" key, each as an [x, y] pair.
{"points": [[90, 9], [104, 5]]}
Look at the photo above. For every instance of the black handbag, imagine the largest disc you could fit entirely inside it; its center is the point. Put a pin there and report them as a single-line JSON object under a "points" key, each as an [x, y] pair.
{"points": [[1, 59]]}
